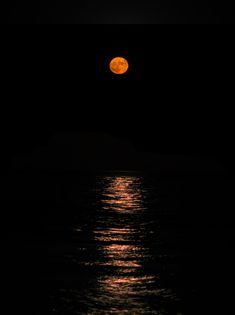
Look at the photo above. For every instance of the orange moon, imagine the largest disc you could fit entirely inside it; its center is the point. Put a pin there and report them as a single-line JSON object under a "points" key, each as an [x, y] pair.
{"points": [[119, 65]]}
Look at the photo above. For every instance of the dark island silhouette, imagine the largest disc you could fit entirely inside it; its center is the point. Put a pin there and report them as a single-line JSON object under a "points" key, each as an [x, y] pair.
{"points": [[92, 151]]}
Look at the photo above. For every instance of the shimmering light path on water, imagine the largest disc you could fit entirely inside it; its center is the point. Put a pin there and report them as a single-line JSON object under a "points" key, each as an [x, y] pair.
{"points": [[122, 259]]}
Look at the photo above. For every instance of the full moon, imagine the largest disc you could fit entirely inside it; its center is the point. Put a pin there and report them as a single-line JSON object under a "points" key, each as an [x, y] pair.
{"points": [[119, 65]]}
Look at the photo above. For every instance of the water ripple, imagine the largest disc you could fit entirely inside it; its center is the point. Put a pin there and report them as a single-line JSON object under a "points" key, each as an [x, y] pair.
{"points": [[126, 276]]}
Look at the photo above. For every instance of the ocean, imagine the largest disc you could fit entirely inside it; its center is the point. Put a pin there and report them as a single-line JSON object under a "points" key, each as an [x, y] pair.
{"points": [[118, 243]]}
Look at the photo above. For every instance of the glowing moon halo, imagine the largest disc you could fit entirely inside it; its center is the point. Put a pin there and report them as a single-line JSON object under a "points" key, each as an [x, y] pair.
{"points": [[119, 65]]}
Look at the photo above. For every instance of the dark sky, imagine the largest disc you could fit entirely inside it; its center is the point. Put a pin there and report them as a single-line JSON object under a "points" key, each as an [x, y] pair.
{"points": [[177, 97], [119, 12]]}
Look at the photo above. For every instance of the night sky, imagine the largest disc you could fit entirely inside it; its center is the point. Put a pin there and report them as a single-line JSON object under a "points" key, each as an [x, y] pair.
{"points": [[176, 99], [121, 12]]}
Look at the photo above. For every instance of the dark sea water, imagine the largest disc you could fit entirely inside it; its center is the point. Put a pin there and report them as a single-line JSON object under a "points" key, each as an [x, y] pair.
{"points": [[119, 243]]}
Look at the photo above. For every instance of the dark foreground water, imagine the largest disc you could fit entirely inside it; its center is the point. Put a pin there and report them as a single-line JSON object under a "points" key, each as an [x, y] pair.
{"points": [[118, 243]]}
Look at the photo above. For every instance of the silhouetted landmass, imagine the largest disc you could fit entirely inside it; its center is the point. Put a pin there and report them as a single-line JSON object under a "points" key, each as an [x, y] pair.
{"points": [[101, 152]]}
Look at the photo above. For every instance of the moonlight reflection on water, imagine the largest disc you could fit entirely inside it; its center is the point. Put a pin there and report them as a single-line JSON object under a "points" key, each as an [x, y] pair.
{"points": [[123, 194], [126, 282], [120, 269]]}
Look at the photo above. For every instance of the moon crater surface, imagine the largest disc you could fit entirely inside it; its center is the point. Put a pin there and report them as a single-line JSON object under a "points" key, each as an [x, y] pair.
{"points": [[119, 65]]}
